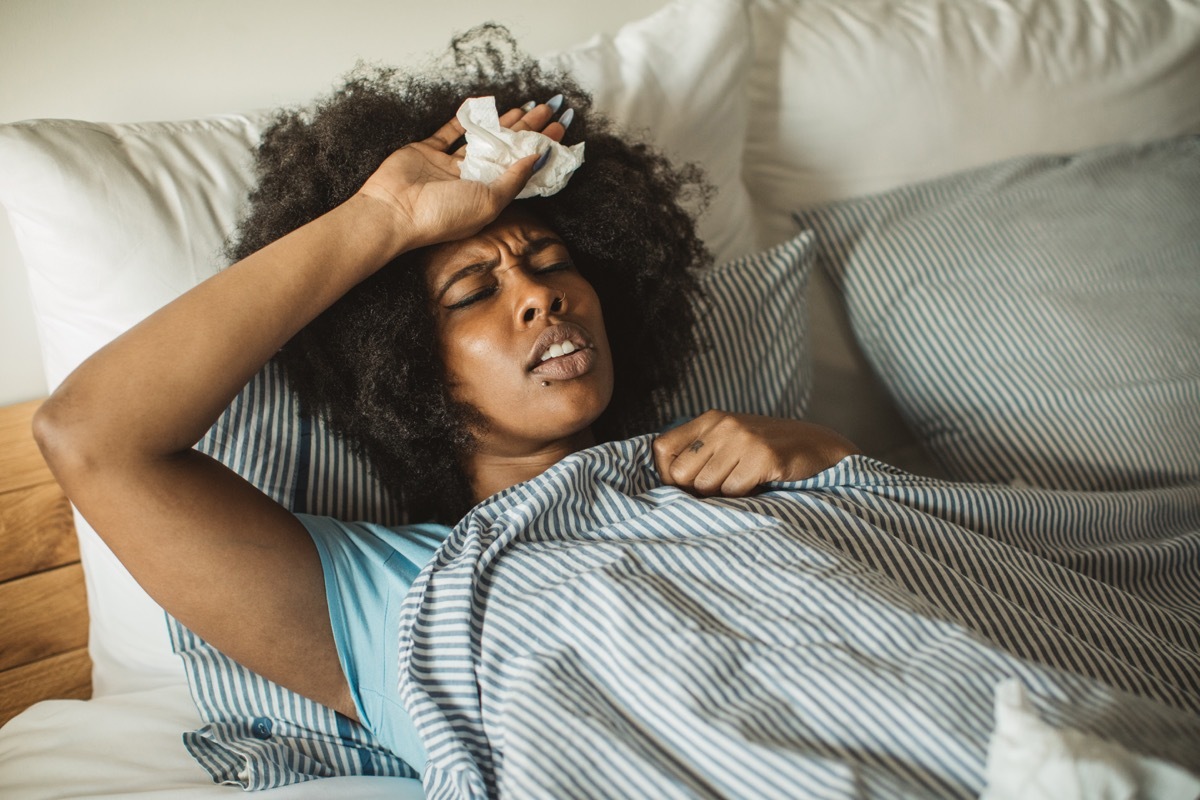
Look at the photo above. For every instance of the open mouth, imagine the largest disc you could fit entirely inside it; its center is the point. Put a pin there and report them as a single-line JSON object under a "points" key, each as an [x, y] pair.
{"points": [[564, 367], [562, 351], [559, 349]]}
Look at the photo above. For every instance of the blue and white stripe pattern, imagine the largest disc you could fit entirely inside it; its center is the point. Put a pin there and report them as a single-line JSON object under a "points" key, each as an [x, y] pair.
{"points": [[1036, 320], [293, 458], [260, 735], [753, 330], [590, 633]]}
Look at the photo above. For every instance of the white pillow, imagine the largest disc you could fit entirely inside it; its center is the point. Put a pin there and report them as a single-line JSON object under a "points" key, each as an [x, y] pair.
{"points": [[851, 98], [678, 77], [128, 746], [113, 221]]}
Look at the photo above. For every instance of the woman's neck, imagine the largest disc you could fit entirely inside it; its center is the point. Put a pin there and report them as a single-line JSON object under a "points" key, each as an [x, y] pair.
{"points": [[491, 471]]}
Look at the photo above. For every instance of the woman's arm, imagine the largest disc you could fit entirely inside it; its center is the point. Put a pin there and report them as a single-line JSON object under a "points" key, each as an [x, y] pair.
{"points": [[219, 555]]}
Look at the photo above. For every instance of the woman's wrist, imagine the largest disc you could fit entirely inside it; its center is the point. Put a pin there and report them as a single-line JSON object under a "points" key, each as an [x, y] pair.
{"points": [[377, 223]]}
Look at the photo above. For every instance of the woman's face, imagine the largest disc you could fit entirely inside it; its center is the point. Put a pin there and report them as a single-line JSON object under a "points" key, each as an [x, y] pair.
{"points": [[521, 333]]}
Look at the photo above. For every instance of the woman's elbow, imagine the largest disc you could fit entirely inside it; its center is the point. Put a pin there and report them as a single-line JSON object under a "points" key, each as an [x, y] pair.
{"points": [[62, 439]]}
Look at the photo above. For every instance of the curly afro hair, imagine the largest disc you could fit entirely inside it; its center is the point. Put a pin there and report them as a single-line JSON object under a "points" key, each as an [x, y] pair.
{"points": [[370, 364]]}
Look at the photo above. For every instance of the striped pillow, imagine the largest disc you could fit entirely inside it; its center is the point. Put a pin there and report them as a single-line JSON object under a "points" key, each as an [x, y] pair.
{"points": [[1036, 320], [258, 734], [753, 330]]}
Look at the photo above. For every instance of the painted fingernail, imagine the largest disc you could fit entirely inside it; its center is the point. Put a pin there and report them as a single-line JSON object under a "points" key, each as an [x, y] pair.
{"points": [[555, 102], [567, 116], [541, 162], [529, 106]]}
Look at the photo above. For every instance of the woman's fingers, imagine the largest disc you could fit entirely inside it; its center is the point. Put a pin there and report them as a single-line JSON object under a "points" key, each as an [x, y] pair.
{"points": [[537, 117], [711, 477], [446, 135], [719, 463], [733, 454], [507, 120], [667, 446], [509, 185], [713, 469], [742, 481], [682, 452], [512, 117], [545, 118], [686, 466], [420, 181]]}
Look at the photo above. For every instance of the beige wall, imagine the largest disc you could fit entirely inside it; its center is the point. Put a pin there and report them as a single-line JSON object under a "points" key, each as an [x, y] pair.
{"points": [[127, 60]]}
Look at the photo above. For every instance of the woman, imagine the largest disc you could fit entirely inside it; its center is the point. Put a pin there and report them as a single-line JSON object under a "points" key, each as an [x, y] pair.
{"points": [[414, 310]]}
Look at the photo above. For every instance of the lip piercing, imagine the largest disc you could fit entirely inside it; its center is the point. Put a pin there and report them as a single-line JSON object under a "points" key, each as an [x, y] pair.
{"points": [[545, 383]]}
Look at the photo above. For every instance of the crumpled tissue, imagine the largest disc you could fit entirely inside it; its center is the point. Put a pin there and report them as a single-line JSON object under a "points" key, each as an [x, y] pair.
{"points": [[1030, 760], [492, 148]]}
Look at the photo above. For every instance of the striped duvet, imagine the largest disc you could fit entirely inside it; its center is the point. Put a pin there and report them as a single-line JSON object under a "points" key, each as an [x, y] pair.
{"points": [[591, 633]]}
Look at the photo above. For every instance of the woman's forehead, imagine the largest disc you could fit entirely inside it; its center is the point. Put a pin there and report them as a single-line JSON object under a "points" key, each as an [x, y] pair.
{"points": [[513, 230]]}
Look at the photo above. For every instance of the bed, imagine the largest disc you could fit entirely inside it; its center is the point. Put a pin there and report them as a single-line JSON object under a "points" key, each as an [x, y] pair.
{"points": [[965, 234]]}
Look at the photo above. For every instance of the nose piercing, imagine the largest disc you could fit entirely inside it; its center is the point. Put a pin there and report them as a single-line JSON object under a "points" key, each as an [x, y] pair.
{"points": [[545, 383], [556, 304]]}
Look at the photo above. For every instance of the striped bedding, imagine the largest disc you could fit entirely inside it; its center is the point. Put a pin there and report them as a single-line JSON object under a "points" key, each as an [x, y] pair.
{"points": [[592, 633], [259, 735]]}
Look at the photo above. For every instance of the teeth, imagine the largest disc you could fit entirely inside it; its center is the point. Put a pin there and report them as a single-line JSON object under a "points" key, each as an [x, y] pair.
{"points": [[560, 349]]}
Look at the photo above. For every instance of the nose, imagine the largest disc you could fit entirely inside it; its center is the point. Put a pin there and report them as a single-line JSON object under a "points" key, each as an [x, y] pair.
{"points": [[537, 299]]}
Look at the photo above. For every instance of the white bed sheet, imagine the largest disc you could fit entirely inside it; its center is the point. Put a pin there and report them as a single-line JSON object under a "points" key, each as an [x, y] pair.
{"points": [[129, 745]]}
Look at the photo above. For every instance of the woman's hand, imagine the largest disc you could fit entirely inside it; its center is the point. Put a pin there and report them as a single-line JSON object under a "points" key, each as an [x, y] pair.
{"points": [[420, 183], [719, 453]]}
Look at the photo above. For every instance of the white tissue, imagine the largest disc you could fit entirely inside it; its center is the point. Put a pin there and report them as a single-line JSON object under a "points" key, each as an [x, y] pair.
{"points": [[1030, 760], [492, 148]]}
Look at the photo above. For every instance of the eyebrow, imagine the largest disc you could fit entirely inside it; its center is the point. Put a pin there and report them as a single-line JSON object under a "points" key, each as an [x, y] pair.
{"points": [[531, 247]]}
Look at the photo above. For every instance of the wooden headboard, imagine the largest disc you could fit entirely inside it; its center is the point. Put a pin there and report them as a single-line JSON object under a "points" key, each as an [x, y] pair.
{"points": [[44, 622]]}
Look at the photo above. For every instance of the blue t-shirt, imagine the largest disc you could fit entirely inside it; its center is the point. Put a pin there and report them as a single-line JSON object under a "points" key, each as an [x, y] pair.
{"points": [[368, 571]]}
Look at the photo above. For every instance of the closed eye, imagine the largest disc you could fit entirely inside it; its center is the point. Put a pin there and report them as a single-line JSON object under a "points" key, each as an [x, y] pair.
{"points": [[484, 293], [474, 297]]}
